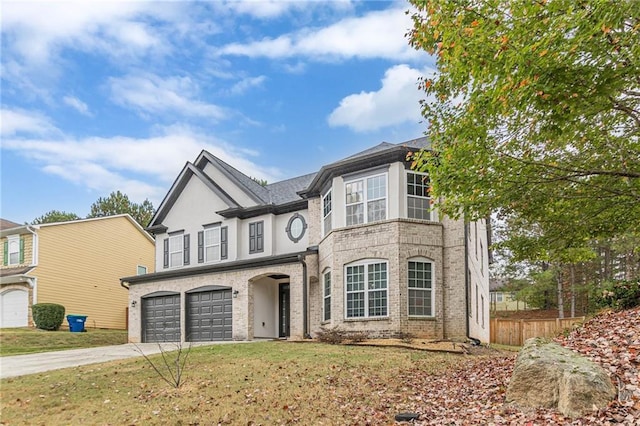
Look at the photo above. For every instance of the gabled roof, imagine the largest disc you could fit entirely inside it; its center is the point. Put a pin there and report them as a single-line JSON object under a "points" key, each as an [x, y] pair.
{"points": [[7, 224], [380, 154], [278, 197]]}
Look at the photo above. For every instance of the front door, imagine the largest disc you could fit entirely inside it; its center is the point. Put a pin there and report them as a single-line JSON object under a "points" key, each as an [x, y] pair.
{"points": [[284, 311]]}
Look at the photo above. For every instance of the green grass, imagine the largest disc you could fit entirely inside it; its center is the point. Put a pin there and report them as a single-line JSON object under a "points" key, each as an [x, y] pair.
{"points": [[18, 341], [248, 384]]}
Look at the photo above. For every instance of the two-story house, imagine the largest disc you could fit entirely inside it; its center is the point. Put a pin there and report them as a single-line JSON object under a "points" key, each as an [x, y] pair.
{"points": [[76, 264], [355, 245]]}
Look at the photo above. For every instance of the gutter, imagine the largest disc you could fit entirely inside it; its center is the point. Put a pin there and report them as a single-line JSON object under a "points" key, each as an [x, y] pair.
{"points": [[305, 292]]}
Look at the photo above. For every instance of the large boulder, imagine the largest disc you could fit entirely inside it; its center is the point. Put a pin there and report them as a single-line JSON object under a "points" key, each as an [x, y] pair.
{"points": [[548, 375]]}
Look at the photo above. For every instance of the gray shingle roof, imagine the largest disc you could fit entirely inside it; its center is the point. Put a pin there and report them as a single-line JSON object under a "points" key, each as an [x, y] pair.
{"points": [[287, 190], [7, 224]]}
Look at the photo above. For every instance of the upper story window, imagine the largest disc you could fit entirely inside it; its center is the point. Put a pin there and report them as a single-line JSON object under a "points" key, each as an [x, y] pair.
{"points": [[366, 290], [418, 200], [176, 250], [296, 227], [13, 250], [212, 244], [256, 237], [326, 213], [366, 199], [141, 270], [420, 285]]}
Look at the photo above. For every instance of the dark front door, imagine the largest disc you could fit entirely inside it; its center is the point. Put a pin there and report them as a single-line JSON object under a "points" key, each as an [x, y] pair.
{"points": [[284, 311]]}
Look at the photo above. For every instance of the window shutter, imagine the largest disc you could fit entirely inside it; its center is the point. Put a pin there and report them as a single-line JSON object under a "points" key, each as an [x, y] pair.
{"points": [[21, 250], [6, 253], [186, 249], [200, 246], [166, 252], [252, 237], [260, 236], [223, 242]]}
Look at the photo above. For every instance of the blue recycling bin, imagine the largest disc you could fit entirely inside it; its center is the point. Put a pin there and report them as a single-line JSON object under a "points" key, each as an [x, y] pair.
{"points": [[76, 323]]}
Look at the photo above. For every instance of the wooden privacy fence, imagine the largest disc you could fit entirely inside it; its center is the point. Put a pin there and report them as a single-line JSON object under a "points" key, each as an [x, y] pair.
{"points": [[515, 332]]}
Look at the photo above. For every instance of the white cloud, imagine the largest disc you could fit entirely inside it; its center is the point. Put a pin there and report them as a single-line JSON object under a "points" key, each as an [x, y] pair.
{"points": [[149, 93], [247, 83], [17, 121], [77, 104], [378, 34], [140, 167], [267, 9], [396, 102], [40, 29]]}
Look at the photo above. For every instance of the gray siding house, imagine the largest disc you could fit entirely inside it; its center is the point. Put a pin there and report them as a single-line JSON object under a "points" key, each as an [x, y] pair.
{"points": [[358, 244]]}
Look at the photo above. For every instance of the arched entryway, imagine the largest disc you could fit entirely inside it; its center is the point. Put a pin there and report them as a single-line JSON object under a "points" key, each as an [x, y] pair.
{"points": [[271, 305]]}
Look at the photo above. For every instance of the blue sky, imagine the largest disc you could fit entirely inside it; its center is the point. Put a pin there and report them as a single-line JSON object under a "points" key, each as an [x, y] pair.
{"points": [[105, 96]]}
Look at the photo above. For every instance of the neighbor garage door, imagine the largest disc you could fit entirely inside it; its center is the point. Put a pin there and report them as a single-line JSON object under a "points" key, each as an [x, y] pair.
{"points": [[161, 318], [15, 308], [208, 315]]}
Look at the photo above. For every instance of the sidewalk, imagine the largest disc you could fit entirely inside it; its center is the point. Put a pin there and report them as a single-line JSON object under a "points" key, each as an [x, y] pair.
{"points": [[20, 365]]}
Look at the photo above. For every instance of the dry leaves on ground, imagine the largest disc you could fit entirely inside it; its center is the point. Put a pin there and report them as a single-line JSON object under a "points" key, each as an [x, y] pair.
{"points": [[474, 393]]}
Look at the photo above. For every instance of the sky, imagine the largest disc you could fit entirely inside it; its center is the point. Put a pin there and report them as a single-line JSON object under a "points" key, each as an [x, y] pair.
{"points": [[101, 96]]}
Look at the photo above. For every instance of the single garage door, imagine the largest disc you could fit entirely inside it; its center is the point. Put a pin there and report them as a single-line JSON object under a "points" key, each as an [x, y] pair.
{"points": [[161, 318], [14, 305], [209, 315]]}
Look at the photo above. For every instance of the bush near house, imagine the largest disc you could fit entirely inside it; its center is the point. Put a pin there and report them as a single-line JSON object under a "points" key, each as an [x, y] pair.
{"points": [[48, 316]]}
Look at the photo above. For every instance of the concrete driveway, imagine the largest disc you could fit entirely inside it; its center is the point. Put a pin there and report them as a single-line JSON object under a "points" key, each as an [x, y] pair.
{"points": [[20, 365]]}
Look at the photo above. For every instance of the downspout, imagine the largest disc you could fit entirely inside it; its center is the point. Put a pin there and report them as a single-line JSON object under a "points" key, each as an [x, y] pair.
{"points": [[33, 281], [466, 276], [123, 285], [305, 322]]}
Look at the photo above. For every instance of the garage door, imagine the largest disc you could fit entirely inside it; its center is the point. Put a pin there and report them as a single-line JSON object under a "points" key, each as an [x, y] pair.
{"points": [[15, 308], [209, 315], [161, 318]]}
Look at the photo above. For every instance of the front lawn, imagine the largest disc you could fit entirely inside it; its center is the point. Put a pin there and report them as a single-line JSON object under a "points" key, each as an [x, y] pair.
{"points": [[255, 383], [18, 341]]}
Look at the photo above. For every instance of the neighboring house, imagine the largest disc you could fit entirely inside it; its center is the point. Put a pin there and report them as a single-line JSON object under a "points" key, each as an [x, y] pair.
{"points": [[353, 245], [502, 300], [76, 264]]}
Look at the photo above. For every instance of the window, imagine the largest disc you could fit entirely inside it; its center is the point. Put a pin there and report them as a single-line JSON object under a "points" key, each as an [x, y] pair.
{"points": [[141, 270], [296, 227], [14, 250], [418, 200], [176, 250], [482, 305], [211, 244], [366, 289], [498, 297], [481, 259], [326, 213], [256, 237], [420, 285], [326, 303], [366, 198], [477, 312]]}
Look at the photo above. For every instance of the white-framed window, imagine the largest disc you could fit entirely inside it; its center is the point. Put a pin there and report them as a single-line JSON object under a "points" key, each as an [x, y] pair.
{"points": [[176, 251], [420, 288], [212, 244], [13, 248], [326, 296], [366, 288], [498, 297], [418, 199], [141, 270], [326, 213], [366, 199]]}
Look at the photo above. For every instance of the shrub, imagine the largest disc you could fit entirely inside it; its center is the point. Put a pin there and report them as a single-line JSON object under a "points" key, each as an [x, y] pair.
{"points": [[48, 316], [358, 336], [406, 337], [333, 336], [620, 294]]}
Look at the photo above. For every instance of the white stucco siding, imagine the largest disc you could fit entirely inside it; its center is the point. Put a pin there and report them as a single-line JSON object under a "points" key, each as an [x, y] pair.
{"points": [[229, 186], [282, 243], [195, 207]]}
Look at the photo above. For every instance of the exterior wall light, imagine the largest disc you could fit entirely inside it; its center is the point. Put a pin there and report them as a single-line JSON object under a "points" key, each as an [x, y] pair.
{"points": [[134, 303], [235, 294]]}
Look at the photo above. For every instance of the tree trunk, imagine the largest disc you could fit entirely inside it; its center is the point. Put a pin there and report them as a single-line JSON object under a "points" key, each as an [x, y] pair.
{"points": [[573, 290], [560, 295]]}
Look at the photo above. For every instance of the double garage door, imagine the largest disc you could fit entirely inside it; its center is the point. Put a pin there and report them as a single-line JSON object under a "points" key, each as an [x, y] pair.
{"points": [[208, 316]]}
